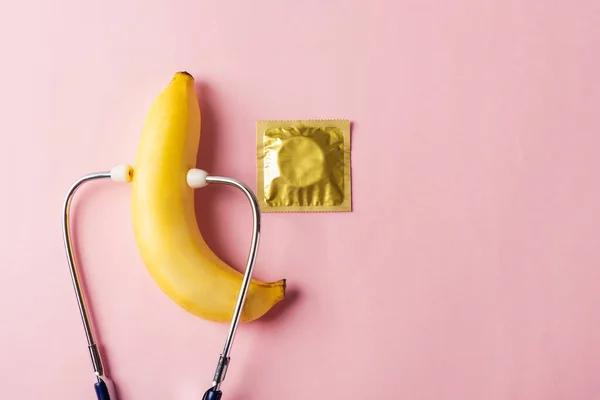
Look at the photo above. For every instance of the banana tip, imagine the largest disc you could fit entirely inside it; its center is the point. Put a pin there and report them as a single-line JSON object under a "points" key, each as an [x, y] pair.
{"points": [[185, 74]]}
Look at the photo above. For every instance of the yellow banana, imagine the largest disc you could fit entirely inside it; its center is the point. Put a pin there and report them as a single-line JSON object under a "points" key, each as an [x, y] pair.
{"points": [[164, 221]]}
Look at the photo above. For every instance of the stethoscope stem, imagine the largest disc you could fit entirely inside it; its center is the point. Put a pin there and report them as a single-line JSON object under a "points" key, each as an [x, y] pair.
{"points": [[81, 303], [223, 362], [103, 386]]}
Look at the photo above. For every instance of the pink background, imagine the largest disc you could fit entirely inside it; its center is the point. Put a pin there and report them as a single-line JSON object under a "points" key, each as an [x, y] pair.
{"points": [[469, 268]]}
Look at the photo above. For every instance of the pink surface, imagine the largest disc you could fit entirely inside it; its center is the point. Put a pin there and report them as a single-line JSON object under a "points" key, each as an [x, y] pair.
{"points": [[469, 268]]}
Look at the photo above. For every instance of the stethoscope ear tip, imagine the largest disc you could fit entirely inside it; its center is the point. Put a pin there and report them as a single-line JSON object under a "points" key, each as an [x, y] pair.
{"points": [[196, 178], [122, 173]]}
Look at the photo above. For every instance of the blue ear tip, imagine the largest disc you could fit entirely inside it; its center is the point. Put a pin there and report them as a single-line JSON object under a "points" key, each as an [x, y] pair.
{"points": [[102, 391], [213, 394]]}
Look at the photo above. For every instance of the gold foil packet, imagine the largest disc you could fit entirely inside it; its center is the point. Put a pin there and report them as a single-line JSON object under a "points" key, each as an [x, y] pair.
{"points": [[303, 166]]}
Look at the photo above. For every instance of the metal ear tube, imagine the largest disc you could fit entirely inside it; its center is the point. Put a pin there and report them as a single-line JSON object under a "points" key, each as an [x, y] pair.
{"points": [[214, 393], [196, 179], [103, 386]]}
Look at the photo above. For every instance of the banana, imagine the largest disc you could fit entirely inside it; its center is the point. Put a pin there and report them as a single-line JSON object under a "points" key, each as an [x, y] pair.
{"points": [[164, 220]]}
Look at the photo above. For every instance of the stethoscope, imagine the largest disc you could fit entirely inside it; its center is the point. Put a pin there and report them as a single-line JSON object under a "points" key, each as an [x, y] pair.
{"points": [[195, 178]]}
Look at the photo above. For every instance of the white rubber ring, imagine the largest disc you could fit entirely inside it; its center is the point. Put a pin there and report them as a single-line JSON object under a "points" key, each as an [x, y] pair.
{"points": [[196, 178], [121, 173]]}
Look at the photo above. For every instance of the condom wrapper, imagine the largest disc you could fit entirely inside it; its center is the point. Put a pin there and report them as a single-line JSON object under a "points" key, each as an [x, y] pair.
{"points": [[304, 166]]}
